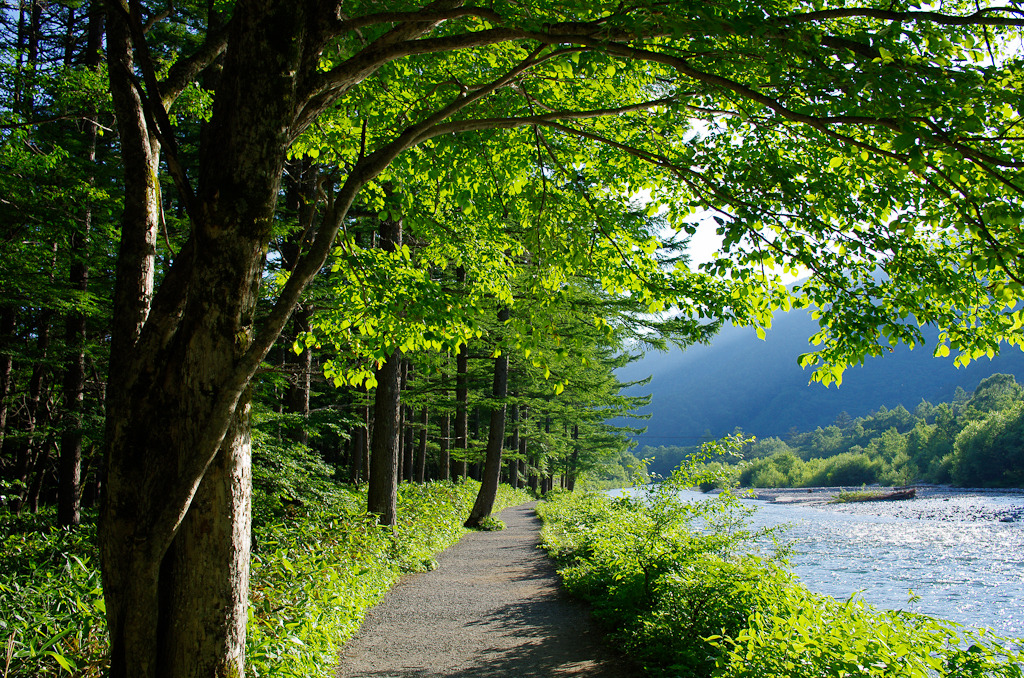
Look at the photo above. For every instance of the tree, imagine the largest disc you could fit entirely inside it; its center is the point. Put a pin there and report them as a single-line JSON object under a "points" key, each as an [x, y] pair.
{"points": [[844, 140]]}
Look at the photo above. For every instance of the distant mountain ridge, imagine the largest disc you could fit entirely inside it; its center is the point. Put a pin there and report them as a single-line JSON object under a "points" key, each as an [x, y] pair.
{"points": [[757, 385]]}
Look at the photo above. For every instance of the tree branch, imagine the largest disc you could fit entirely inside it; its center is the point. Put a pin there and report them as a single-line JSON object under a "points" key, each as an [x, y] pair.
{"points": [[979, 18]]}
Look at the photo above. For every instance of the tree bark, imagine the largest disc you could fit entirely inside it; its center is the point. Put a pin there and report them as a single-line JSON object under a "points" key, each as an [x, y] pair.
{"points": [[174, 527], [484, 503], [421, 448], [444, 461], [462, 408], [70, 475], [382, 494], [174, 532]]}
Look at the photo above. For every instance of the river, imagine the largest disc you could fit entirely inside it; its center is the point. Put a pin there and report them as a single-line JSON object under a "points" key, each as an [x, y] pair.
{"points": [[951, 548]]}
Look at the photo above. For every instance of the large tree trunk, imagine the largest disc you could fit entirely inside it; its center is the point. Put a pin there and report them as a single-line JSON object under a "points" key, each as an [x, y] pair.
{"points": [[484, 503], [174, 538], [174, 528]]}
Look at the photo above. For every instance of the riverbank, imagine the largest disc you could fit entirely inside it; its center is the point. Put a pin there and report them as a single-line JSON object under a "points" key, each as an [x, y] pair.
{"points": [[689, 603], [933, 502]]}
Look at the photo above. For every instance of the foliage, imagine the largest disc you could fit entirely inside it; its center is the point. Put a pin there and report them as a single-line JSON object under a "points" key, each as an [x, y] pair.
{"points": [[856, 496], [316, 571], [990, 452], [686, 598], [316, 568], [812, 636], [662, 572], [974, 441], [51, 604]]}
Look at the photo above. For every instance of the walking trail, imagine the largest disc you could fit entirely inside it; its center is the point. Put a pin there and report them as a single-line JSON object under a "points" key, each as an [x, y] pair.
{"points": [[492, 607]]}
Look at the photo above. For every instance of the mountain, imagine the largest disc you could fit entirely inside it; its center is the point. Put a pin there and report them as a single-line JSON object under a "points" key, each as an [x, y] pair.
{"points": [[757, 385]]}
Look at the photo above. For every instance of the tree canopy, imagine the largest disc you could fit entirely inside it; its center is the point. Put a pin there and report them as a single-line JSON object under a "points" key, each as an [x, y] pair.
{"points": [[876, 145]]}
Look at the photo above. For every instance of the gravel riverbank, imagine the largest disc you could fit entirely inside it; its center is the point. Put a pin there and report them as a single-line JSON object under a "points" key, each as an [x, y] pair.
{"points": [[933, 502]]}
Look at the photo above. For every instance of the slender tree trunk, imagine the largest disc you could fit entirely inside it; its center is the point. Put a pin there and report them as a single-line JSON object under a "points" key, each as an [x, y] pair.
{"points": [[462, 407], [484, 503], [408, 445], [70, 476], [524, 414], [513, 445], [574, 460], [296, 400], [8, 322], [38, 475], [382, 494], [421, 451], [366, 442], [444, 462], [474, 472], [29, 446], [355, 459], [360, 439], [300, 197]]}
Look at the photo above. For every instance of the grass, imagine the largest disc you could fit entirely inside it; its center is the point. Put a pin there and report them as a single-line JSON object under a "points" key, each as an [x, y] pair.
{"points": [[316, 569], [856, 496]]}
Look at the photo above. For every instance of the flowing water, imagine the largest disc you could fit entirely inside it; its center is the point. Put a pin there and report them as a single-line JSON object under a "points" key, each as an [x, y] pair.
{"points": [[950, 548]]}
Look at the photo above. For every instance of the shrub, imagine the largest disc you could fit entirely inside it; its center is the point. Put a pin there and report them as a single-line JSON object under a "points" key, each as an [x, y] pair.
{"points": [[677, 589], [317, 566], [660, 572]]}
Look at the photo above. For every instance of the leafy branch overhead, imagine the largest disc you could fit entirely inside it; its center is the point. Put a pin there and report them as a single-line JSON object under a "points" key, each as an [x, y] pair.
{"points": [[878, 151], [544, 160]]}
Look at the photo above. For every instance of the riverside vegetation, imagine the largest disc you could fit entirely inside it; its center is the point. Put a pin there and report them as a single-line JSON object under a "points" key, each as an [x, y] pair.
{"points": [[689, 590], [318, 564], [976, 440]]}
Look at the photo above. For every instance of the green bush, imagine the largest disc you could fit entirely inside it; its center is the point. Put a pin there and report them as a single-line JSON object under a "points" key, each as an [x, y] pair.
{"points": [[51, 605], [848, 468], [813, 636], [990, 452], [661, 573], [681, 588], [317, 566]]}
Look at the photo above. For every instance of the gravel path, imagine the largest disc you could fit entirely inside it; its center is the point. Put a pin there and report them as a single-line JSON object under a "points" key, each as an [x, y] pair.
{"points": [[493, 607]]}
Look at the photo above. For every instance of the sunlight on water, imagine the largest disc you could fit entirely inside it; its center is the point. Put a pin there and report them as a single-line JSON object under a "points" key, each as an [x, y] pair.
{"points": [[964, 566]]}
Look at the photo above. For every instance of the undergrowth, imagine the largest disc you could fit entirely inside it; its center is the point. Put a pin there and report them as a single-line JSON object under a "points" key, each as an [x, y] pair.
{"points": [[316, 568], [684, 588]]}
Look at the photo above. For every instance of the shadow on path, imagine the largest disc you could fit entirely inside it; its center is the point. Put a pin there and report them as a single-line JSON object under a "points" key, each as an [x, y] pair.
{"points": [[492, 608]]}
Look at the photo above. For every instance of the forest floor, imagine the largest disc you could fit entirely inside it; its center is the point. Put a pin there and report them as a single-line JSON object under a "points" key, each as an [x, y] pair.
{"points": [[493, 607]]}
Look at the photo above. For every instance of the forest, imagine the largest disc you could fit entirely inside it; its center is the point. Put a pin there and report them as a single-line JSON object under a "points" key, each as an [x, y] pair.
{"points": [[255, 254], [976, 440]]}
